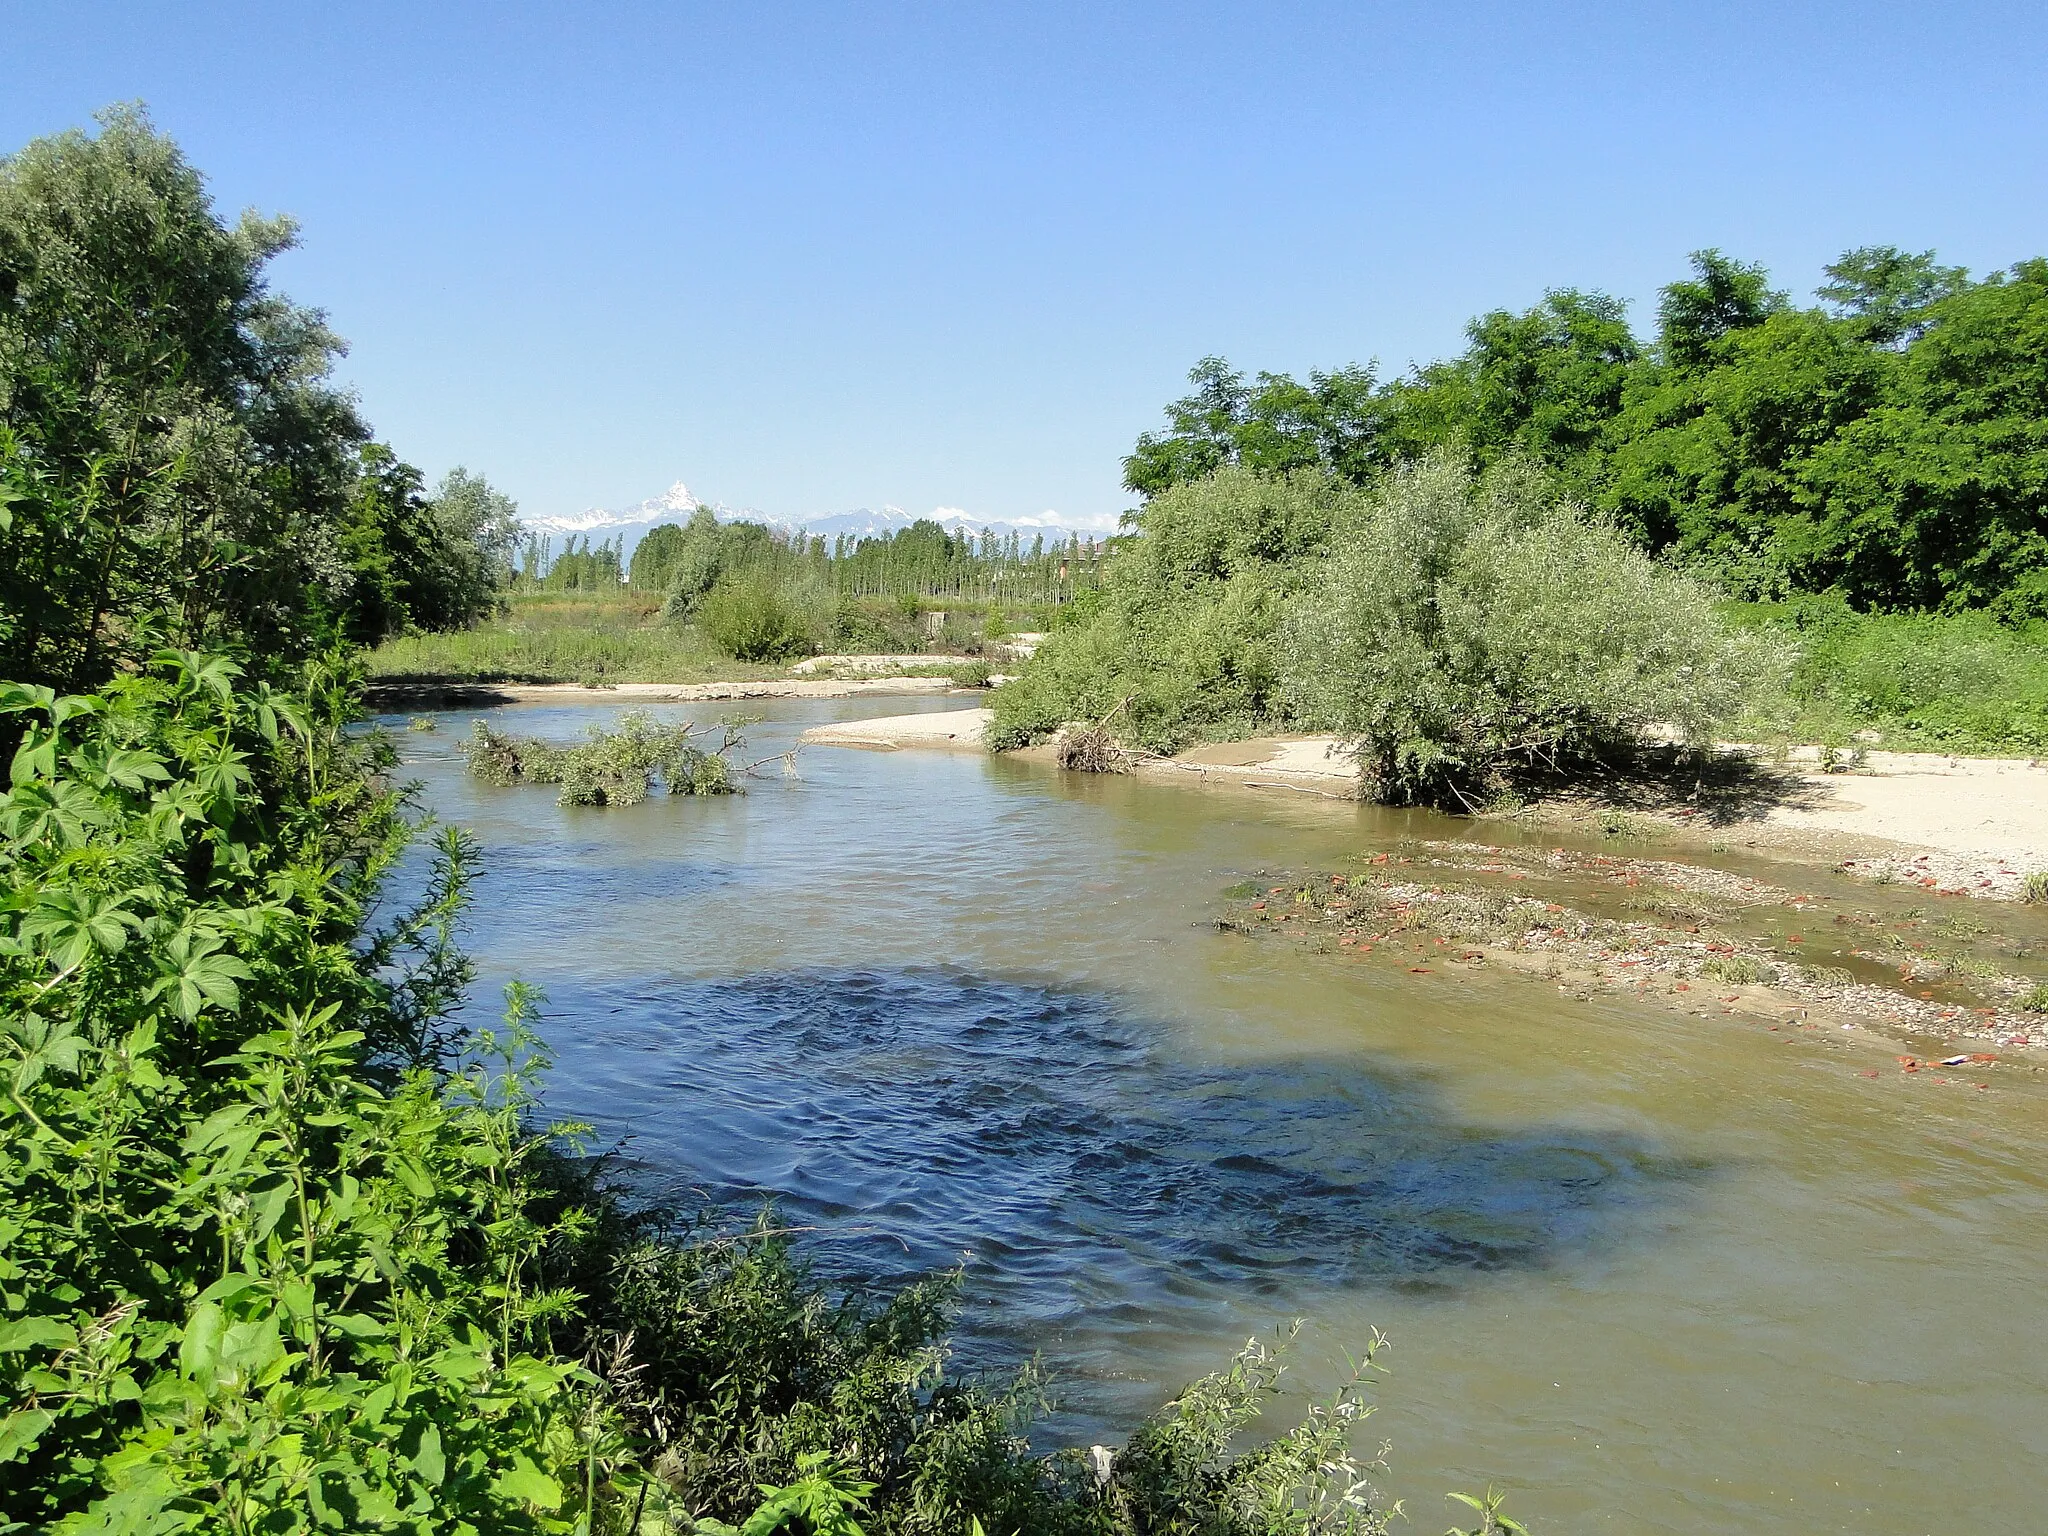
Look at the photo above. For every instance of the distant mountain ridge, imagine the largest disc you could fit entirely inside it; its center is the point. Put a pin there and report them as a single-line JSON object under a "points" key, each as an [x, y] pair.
{"points": [[677, 503]]}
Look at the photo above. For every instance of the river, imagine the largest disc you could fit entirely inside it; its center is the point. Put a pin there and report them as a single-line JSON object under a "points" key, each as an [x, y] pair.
{"points": [[1648, 1271]]}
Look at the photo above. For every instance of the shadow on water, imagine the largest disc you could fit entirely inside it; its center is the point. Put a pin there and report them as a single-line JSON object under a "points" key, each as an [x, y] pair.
{"points": [[1089, 1177]]}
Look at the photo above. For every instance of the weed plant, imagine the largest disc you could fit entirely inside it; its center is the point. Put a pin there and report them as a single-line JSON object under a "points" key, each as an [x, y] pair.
{"points": [[611, 767]]}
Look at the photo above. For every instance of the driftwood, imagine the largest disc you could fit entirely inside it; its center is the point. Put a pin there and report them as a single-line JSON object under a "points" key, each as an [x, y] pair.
{"points": [[1091, 748]]}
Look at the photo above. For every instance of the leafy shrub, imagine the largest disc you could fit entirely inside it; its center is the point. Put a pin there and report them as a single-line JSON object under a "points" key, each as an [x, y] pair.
{"points": [[616, 767], [1184, 624], [262, 1267], [875, 628], [753, 620], [1467, 626]]}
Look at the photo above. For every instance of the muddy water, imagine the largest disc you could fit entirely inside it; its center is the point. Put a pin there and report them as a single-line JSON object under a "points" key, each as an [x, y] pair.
{"points": [[1651, 1271]]}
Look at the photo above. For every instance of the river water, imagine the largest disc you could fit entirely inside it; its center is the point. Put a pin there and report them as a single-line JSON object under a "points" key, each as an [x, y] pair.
{"points": [[1649, 1271]]}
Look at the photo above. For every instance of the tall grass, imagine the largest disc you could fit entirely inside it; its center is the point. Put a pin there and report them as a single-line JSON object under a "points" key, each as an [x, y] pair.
{"points": [[744, 629], [599, 637], [1958, 682]]}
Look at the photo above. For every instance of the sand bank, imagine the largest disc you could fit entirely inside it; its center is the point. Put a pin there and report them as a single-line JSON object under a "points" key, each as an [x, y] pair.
{"points": [[953, 729], [425, 695]]}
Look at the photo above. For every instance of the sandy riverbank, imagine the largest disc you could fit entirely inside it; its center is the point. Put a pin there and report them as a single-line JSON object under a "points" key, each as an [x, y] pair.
{"points": [[397, 696], [951, 729], [1955, 824]]}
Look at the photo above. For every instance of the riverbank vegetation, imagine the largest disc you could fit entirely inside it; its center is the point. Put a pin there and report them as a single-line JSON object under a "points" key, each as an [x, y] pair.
{"points": [[594, 638], [743, 629], [1451, 625], [622, 765], [699, 597], [284, 1248], [1823, 524]]}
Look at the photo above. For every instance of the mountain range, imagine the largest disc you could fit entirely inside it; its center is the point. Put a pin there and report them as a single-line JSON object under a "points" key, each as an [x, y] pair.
{"points": [[677, 503]]}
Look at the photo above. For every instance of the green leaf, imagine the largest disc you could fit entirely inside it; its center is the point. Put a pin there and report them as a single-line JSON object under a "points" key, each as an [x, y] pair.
{"points": [[428, 1460], [36, 1333], [526, 1482], [20, 1430], [199, 1355]]}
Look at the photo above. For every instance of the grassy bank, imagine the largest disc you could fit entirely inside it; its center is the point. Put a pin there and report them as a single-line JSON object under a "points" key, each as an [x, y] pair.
{"points": [[615, 636], [620, 635], [1905, 682]]}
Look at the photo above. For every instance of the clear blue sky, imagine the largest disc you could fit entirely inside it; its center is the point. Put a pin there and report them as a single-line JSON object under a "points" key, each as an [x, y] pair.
{"points": [[814, 257]]}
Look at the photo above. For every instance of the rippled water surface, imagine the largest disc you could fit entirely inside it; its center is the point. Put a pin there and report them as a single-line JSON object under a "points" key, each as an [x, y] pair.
{"points": [[1652, 1272]]}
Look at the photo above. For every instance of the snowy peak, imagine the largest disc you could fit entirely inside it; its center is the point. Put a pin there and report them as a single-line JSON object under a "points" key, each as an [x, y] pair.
{"points": [[673, 505], [677, 503]]}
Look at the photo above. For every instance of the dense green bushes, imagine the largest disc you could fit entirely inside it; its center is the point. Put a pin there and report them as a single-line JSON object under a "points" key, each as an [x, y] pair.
{"points": [[1946, 682], [1182, 633], [265, 1266], [1467, 626], [1445, 626], [755, 619], [278, 1252]]}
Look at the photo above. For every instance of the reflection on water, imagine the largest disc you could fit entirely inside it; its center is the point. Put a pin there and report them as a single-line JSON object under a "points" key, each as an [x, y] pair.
{"points": [[1652, 1271]]}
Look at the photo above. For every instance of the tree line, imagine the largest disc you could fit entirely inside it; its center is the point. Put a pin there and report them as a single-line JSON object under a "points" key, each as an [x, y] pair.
{"points": [[1888, 443]]}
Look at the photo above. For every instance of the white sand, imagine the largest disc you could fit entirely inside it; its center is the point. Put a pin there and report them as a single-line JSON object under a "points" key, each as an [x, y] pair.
{"points": [[1991, 811], [955, 729]]}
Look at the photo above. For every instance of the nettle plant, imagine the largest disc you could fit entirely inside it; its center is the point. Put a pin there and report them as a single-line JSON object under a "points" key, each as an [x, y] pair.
{"points": [[263, 1265]]}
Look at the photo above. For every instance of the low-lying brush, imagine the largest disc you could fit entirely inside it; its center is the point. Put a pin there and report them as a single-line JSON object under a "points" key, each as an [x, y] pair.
{"points": [[614, 636], [1956, 682], [616, 767], [1091, 749], [1738, 970], [281, 1252]]}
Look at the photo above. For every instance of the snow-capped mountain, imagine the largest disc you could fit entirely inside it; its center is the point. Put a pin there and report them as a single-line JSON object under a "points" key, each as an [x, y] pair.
{"points": [[677, 503], [673, 505]]}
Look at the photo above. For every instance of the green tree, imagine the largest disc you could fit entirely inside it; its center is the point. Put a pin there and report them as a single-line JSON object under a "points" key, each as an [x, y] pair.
{"points": [[1885, 293], [172, 456], [1722, 297], [1275, 425], [175, 462]]}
